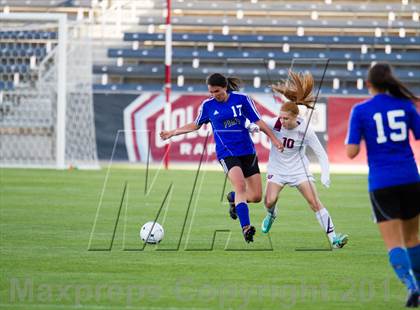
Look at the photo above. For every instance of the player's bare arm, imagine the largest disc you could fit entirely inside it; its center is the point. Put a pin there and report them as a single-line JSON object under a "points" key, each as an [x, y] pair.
{"points": [[166, 134], [264, 128], [352, 150]]}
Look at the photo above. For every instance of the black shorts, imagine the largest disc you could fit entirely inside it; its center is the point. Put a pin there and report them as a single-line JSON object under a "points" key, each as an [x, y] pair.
{"points": [[248, 164], [396, 202]]}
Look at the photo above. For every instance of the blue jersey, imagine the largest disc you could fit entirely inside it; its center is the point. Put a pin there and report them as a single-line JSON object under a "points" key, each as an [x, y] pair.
{"points": [[384, 123], [228, 122]]}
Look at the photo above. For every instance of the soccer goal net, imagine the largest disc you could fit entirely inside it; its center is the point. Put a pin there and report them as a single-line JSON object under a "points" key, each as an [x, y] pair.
{"points": [[46, 105]]}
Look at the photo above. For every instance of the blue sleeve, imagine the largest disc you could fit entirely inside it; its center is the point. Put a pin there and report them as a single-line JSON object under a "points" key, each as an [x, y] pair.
{"points": [[414, 121], [249, 110], [354, 133], [203, 117]]}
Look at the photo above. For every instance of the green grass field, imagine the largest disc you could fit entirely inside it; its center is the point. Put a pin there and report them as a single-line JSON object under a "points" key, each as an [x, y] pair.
{"points": [[56, 246]]}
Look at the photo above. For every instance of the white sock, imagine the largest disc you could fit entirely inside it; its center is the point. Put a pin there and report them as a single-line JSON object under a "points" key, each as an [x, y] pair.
{"points": [[326, 223], [273, 211]]}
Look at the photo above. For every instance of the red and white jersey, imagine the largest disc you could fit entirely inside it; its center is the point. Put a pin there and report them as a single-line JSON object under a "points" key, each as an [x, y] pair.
{"points": [[293, 161]]}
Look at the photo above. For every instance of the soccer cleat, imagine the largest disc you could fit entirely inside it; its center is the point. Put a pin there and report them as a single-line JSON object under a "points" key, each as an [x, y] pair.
{"points": [[413, 299], [267, 222], [339, 241], [232, 210], [249, 233]]}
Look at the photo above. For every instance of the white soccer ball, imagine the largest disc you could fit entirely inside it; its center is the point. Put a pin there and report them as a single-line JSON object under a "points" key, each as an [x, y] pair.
{"points": [[152, 232]]}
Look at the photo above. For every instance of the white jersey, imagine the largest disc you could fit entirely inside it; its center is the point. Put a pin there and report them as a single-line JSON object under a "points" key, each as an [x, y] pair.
{"points": [[293, 161]]}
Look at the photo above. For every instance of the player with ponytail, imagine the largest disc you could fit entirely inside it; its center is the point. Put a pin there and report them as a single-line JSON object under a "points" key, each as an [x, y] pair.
{"points": [[291, 166], [384, 122], [227, 111]]}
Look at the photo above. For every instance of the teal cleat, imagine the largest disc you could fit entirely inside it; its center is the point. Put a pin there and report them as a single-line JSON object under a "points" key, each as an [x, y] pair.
{"points": [[267, 222], [340, 240]]}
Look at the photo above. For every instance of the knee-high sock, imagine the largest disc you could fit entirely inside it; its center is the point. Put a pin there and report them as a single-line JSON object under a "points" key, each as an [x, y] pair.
{"points": [[414, 254], [326, 223], [400, 261], [243, 213]]}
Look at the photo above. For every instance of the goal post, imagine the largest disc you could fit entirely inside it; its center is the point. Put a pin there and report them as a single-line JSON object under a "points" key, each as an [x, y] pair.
{"points": [[46, 103]]}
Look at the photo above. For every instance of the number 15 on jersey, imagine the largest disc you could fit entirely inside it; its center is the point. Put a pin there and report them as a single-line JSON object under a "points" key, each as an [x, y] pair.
{"points": [[398, 127]]}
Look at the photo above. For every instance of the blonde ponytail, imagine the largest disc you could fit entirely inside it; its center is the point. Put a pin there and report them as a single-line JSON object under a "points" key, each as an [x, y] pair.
{"points": [[298, 88]]}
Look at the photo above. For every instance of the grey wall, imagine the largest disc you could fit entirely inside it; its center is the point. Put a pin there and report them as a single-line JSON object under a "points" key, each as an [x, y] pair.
{"points": [[108, 120]]}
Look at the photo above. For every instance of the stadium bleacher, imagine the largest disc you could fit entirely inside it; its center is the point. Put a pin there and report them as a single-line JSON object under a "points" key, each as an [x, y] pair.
{"points": [[6, 85], [320, 40], [46, 3], [20, 52], [75, 9], [20, 68], [250, 39], [27, 35], [214, 21], [214, 36], [188, 53]]}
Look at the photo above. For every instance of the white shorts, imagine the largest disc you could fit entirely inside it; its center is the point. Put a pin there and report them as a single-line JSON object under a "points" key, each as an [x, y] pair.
{"points": [[291, 180]]}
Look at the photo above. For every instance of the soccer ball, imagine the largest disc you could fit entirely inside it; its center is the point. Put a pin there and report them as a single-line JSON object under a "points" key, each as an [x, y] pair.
{"points": [[152, 232]]}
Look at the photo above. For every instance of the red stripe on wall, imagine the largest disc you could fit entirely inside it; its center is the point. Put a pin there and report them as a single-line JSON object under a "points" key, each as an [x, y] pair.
{"points": [[133, 123]]}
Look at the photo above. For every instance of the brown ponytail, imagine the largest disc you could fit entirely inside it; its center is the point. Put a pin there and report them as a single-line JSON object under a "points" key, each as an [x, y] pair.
{"points": [[381, 77], [298, 89], [217, 79], [233, 84]]}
